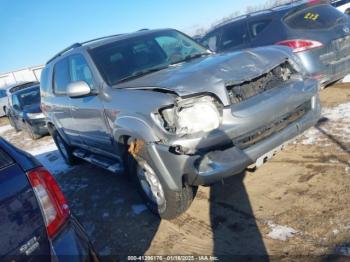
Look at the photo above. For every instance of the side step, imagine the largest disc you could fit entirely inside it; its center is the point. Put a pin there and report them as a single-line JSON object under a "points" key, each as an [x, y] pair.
{"points": [[101, 161]]}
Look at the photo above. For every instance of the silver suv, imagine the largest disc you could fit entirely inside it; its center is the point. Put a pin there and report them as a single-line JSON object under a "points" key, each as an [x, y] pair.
{"points": [[170, 113]]}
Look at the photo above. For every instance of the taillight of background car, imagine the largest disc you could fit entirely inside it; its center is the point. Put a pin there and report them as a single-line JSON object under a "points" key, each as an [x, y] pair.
{"points": [[51, 199], [300, 45]]}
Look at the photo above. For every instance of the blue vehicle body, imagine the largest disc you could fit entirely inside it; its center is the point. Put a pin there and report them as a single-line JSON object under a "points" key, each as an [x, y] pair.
{"points": [[23, 232]]}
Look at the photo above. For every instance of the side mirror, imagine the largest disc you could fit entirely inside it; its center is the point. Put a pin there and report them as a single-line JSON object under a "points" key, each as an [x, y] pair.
{"points": [[78, 89]]}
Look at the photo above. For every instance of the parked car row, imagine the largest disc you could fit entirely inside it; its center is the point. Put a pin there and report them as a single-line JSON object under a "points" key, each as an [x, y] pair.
{"points": [[318, 34], [169, 112]]}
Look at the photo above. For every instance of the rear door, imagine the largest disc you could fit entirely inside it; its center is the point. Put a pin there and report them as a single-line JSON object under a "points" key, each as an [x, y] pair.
{"points": [[22, 228]]}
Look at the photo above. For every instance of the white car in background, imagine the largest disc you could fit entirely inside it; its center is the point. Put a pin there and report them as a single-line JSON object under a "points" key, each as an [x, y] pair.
{"points": [[342, 5]]}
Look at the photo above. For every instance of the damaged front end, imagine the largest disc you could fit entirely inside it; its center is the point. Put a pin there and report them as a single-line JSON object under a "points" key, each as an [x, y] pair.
{"points": [[267, 81], [207, 141]]}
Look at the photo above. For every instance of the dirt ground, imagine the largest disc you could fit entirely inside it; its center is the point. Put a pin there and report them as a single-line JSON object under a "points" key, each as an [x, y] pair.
{"points": [[295, 206]]}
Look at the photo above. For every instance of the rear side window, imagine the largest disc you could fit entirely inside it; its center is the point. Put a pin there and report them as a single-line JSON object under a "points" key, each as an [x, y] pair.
{"points": [[256, 27], [5, 160], [234, 35], [61, 77], [316, 17]]}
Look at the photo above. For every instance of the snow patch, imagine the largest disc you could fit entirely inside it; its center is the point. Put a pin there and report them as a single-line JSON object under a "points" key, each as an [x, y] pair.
{"points": [[279, 232], [5, 128], [49, 156], [338, 124]]}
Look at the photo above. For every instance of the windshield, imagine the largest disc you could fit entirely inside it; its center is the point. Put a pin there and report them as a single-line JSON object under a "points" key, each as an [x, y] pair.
{"points": [[27, 97], [133, 57]]}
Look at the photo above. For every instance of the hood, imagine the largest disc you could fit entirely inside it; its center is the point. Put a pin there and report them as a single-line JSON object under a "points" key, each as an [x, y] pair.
{"points": [[32, 109], [209, 74]]}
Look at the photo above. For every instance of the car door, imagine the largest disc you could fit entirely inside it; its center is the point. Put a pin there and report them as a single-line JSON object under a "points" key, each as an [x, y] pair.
{"points": [[16, 112], [234, 36], [88, 111], [60, 105]]}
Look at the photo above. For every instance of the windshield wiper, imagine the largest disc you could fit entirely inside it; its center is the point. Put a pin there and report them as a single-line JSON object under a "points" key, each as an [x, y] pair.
{"points": [[141, 73], [190, 57]]}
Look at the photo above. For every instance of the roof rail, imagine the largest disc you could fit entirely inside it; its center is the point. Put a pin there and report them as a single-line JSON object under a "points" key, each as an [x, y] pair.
{"points": [[63, 51], [100, 38], [78, 45]]}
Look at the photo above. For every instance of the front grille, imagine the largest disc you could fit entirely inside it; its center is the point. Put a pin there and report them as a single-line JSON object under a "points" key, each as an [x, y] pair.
{"points": [[272, 79], [268, 130]]}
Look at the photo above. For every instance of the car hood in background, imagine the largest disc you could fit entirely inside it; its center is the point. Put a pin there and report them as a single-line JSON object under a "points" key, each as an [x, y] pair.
{"points": [[211, 73]]}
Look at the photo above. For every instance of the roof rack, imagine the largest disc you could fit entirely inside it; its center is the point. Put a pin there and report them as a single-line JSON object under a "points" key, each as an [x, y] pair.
{"points": [[73, 46]]}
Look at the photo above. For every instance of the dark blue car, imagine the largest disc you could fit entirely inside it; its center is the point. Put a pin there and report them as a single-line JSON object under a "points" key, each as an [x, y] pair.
{"points": [[35, 221]]}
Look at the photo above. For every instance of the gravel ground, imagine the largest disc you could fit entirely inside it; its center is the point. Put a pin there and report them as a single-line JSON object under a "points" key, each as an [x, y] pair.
{"points": [[294, 205]]}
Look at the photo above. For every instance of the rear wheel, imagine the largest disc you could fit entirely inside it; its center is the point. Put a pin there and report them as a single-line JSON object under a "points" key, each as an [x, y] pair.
{"points": [[160, 199], [65, 150], [30, 132]]}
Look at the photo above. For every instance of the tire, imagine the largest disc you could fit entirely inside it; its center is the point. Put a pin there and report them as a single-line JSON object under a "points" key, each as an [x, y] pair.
{"points": [[13, 123], [30, 132], [168, 204], [65, 150]]}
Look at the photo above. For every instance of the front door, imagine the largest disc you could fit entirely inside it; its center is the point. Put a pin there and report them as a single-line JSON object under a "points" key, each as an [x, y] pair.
{"points": [[88, 111]]}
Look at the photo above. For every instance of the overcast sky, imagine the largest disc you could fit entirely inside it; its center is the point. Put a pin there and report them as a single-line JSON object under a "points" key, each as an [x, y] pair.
{"points": [[31, 32]]}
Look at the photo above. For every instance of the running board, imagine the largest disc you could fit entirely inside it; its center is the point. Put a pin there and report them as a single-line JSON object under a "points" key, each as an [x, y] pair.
{"points": [[98, 160]]}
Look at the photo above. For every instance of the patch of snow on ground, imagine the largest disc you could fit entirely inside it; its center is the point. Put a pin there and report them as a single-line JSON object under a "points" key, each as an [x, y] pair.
{"points": [[4, 129], [280, 232], [49, 156], [338, 123]]}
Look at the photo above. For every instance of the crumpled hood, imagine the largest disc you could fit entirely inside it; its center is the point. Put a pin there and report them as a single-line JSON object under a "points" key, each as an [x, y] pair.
{"points": [[209, 74]]}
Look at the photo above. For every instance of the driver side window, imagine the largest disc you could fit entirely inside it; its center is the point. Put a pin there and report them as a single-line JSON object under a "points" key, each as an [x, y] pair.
{"points": [[80, 71]]}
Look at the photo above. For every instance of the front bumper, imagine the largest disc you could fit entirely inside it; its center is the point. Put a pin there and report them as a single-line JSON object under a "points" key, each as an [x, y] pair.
{"points": [[39, 126], [216, 162]]}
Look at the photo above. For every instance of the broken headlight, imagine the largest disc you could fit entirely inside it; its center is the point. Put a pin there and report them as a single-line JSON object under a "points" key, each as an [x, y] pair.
{"points": [[189, 116]]}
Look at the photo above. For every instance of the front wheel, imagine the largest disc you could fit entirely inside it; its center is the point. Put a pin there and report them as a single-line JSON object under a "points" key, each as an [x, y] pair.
{"points": [[65, 150], [161, 200]]}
